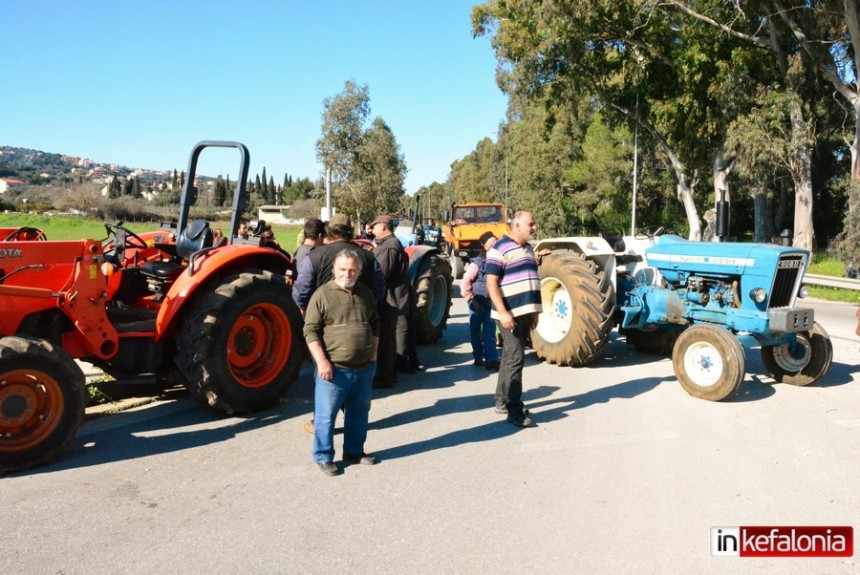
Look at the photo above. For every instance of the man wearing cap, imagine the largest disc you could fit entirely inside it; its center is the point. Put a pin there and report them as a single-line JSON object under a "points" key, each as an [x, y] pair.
{"points": [[394, 264], [482, 328], [316, 268]]}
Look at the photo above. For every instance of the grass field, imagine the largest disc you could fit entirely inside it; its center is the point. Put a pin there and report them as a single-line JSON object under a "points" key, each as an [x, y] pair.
{"points": [[65, 227]]}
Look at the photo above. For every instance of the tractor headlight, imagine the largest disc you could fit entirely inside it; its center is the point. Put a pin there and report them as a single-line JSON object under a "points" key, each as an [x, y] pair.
{"points": [[108, 269], [758, 295], [802, 292]]}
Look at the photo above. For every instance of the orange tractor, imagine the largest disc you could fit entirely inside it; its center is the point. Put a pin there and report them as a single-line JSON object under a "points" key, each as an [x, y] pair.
{"points": [[167, 305]]}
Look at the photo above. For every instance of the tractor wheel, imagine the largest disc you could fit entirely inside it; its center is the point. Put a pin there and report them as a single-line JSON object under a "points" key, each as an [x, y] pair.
{"points": [[457, 265], [239, 349], [801, 363], [432, 299], [42, 401], [578, 305], [709, 362], [654, 341]]}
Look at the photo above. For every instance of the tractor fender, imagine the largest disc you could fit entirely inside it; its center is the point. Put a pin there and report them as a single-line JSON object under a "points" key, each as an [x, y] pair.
{"points": [[416, 255], [595, 249], [207, 265]]}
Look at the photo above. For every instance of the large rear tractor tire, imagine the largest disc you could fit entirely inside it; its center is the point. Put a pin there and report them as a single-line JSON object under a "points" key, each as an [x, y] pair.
{"points": [[432, 298], [578, 305], [42, 401], [804, 362], [239, 349], [709, 362]]}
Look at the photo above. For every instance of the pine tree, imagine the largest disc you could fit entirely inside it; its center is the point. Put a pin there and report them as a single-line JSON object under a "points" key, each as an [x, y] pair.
{"points": [[266, 193]]}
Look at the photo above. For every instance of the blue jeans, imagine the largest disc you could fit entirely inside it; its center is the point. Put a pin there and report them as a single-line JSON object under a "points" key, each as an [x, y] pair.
{"points": [[482, 330], [351, 389]]}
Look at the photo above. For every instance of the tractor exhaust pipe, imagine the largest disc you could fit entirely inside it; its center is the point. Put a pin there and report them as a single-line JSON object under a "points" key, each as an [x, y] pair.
{"points": [[722, 222]]}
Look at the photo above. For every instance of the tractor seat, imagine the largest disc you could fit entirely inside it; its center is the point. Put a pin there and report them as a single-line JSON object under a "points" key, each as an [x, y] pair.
{"points": [[196, 236]]}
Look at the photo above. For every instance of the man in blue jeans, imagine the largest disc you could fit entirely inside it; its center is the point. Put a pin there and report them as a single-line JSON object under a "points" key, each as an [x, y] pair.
{"points": [[342, 333], [482, 328]]}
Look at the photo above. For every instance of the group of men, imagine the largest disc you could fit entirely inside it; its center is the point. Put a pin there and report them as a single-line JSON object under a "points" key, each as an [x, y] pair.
{"points": [[353, 302]]}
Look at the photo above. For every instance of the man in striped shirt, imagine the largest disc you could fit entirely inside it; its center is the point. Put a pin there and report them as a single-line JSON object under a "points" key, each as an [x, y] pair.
{"points": [[514, 288]]}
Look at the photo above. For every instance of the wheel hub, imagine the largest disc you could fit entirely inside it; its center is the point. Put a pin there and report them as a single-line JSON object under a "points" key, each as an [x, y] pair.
{"points": [[793, 357], [555, 321], [17, 403], [703, 364]]}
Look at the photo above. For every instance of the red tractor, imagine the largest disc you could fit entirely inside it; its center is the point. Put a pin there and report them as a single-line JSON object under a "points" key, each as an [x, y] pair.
{"points": [[168, 305]]}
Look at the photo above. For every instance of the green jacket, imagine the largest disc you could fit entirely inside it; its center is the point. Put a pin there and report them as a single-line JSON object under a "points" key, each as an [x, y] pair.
{"points": [[344, 322]]}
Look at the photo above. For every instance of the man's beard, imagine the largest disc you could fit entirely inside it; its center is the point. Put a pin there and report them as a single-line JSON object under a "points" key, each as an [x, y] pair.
{"points": [[345, 282]]}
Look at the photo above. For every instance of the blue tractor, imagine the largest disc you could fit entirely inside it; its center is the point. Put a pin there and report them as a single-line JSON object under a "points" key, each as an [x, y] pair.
{"points": [[704, 302]]}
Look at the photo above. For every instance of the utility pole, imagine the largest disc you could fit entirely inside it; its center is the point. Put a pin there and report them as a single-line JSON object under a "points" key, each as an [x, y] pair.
{"points": [[635, 165], [328, 195]]}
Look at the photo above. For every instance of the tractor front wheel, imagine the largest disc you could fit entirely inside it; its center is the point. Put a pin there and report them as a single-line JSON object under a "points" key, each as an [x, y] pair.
{"points": [[578, 304], [239, 349], [432, 298], [457, 265], [42, 402], [803, 362], [709, 362]]}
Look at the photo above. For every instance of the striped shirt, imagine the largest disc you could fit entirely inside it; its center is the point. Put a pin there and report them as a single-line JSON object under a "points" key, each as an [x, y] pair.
{"points": [[517, 269]]}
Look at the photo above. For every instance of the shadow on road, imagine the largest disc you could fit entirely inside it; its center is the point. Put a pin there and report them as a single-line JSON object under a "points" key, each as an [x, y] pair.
{"points": [[164, 428]]}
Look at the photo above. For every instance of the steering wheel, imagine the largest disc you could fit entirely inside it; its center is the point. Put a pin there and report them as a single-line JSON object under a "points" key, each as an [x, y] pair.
{"points": [[649, 232], [26, 234], [121, 235]]}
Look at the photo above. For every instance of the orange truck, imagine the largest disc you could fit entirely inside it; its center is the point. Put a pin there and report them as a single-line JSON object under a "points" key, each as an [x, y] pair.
{"points": [[464, 225]]}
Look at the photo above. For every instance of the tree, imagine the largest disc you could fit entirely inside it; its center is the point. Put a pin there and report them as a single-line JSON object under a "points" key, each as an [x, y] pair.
{"points": [[621, 53], [220, 194], [265, 191], [378, 175], [599, 179], [344, 117], [114, 188]]}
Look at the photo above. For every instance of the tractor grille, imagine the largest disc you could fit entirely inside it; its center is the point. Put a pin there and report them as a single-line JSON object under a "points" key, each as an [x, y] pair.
{"points": [[787, 272]]}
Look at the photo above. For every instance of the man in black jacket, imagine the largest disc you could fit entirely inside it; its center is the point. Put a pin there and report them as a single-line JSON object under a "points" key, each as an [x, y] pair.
{"points": [[316, 268], [395, 265]]}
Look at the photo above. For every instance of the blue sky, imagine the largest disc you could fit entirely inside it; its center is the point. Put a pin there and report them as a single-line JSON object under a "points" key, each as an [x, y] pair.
{"points": [[138, 83]]}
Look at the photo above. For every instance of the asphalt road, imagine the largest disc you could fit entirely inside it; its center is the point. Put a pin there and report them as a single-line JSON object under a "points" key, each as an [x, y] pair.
{"points": [[624, 473]]}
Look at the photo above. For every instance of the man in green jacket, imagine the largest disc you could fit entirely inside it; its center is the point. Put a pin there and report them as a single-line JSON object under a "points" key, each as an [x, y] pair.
{"points": [[342, 333]]}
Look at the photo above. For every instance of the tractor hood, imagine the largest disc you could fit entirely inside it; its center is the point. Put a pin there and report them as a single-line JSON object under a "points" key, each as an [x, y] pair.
{"points": [[677, 258]]}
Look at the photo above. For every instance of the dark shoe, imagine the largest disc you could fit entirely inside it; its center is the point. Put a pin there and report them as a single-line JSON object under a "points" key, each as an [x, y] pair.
{"points": [[383, 384], [504, 410], [417, 366], [520, 419], [407, 369], [362, 458], [329, 468], [492, 365], [479, 361], [309, 427]]}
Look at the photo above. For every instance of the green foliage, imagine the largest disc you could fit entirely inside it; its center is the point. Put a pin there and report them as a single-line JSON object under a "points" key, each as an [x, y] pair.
{"points": [[366, 166], [600, 189], [344, 117], [825, 265]]}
